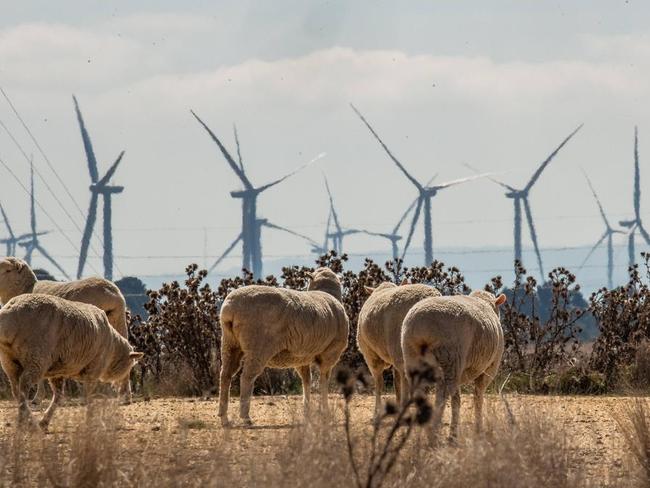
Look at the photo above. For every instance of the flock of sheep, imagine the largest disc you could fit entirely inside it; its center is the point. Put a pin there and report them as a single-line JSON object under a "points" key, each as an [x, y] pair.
{"points": [[77, 330]]}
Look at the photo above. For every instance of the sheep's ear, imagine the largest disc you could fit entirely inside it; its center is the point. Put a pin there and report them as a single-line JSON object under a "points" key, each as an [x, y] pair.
{"points": [[369, 289], [136, 356], [310, 275], [501, 299], [405, 281]]}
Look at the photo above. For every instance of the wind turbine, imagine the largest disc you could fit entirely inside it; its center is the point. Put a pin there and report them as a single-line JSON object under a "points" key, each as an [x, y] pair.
{"points": [[259, 225], [426, 193], [250, 234], [31, 242], [520, 197], [635, 224], [339, 232], [99, 187], [608, 234], [393, 236]]}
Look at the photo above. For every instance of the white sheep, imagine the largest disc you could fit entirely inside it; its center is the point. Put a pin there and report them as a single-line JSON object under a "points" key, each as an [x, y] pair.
{"points": [[463, 334], [17, 278], [379, 331], [280, 328], [47, 337]]}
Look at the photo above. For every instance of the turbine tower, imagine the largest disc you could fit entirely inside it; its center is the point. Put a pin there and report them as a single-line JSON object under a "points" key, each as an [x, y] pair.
{"points": [[31, 242], [608, 234], [99, 187], [425, 194], [635, 224], [250, 234], [339, 232]]}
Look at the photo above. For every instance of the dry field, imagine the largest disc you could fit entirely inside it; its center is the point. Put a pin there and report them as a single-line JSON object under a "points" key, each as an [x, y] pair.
{"points": [[174, 441]]}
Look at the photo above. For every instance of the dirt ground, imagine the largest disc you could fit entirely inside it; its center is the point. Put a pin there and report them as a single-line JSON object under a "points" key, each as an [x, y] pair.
{"points": [[589, 424]]}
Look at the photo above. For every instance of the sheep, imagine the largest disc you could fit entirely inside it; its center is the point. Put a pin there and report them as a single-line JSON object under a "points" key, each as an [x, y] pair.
{"points": [[280, 328], [16, 278], [47, 337], [465, 338], [379, 331]]}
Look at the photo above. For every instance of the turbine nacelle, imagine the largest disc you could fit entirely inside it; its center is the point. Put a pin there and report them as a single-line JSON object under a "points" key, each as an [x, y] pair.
{"points": [[103, 189]]}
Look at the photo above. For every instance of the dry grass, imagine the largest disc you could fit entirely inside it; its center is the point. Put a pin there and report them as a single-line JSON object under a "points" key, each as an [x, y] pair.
{"points": [[557, 441]]}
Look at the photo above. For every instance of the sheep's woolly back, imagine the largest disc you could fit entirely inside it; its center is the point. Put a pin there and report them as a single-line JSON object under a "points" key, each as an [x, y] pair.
{"points": [[16, 278], [462, 332], [287, 328], [381, 317], [61, 338]]}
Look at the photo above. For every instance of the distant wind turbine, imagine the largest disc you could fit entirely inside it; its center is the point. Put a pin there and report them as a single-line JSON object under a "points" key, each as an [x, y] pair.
{"points": [[520, 196], [608, 234], [426, 193], [635, 224], [250, 234], [99, 187], [32, 242], [339, 232], [394, 237]]}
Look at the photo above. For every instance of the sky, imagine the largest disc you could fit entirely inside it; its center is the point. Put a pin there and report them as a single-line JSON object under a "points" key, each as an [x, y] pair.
{"points": [[497, 85]]}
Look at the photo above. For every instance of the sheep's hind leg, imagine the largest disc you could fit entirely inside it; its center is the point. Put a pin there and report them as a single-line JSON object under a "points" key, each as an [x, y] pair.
{"points": [[252, 368], [13, 371], [57, 393], [376, 367], [325, 374], [305, 377], [30, 376], [480, 385], [231, 361], [455, 416]]}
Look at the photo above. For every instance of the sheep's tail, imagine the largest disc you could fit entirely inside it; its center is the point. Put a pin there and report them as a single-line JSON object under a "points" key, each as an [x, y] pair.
{"points": [[227, 317]]}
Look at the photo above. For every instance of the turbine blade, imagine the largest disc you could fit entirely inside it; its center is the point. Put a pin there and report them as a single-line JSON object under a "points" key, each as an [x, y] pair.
{"points": [[335, 216], [111, 171], [390, 154], [225, 254], [414, 222], [545, 163], [327, 230], [88, 232], [241, 161], [410, 207], [271, 225], [645, 234], [447, 184], [6, 221], [533, 236], [297, 170], [238, 171], [600, 206], [637, 178], [491, 178], [42, 250], [88, 146], [593, 249]]}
